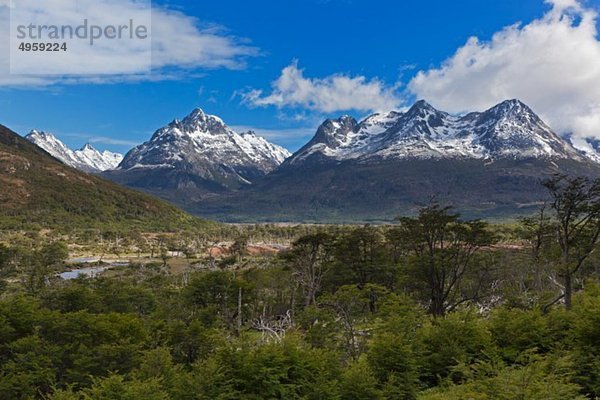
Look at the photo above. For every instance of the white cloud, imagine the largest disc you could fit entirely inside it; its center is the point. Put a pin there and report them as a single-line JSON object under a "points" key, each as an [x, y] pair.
{"points": [[336, 92], [177, 40], [108, 140], [179, 44], [552, 63]]}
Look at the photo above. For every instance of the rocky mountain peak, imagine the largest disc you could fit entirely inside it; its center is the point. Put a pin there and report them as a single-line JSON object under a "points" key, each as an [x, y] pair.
{"points": [[511, 110], [35, 132], [334, 132], [421, 106], [511, 105], [199, 120]]}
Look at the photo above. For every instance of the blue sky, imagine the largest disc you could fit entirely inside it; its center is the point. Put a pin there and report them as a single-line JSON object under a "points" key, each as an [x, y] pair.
{"points": [[378, 46]]}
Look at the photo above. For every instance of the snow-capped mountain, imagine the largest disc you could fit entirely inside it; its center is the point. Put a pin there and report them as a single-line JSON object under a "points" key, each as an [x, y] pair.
{"points": [[86, 159], [197, 155], [203, 142], [508, 130]]}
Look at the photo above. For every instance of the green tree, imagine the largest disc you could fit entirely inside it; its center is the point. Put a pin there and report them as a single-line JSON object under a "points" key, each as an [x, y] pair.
{"points": [[31, 369], [54, 253], [115, 387], [586, 335], [361, 257], [537, 378], [443, 249], [320, 326], [516, 331], [395, 365], [359, 383], [538, 232], [459, 338], [218, 292], [278, 370], [239, 248], [353, 307], [40, 264]]}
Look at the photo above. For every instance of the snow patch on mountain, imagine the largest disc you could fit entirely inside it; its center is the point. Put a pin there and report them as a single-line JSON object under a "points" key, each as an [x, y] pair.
{"points": [[260, 145], [86, 159]]}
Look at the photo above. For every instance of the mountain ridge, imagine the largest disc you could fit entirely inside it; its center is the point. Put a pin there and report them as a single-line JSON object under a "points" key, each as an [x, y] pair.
{"points": [[208, 136], [87, 158], [509, 129]]}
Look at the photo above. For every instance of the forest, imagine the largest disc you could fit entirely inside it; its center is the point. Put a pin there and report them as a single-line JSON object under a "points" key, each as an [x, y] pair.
{"points": [[430, 307]]}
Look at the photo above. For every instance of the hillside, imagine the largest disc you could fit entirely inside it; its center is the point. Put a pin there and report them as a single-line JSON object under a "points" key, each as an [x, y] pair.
{"points": [[39, 191]]}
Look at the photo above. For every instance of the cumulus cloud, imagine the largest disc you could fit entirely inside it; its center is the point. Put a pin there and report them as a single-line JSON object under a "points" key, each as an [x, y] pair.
{"points": [[177, 40], [177, 44], [552, 63], [336, 92]]}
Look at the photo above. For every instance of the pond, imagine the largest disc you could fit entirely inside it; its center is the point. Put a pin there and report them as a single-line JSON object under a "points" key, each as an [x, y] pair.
{"points": [[83, 260], [90, 271]]}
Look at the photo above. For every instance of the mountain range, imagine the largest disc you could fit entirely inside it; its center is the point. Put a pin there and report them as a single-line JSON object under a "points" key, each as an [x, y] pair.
{"points": [[486, 163], [508, 130], [87, 158]]}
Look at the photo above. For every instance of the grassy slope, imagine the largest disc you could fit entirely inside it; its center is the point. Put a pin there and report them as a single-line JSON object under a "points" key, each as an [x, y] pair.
{"points": [[36, 190]]}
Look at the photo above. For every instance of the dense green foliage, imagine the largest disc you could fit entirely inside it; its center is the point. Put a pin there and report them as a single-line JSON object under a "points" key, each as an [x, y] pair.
{"points": [[76, 340]]}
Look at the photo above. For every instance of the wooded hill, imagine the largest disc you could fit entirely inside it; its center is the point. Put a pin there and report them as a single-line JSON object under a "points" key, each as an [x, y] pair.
{"points": [[37, 191]]}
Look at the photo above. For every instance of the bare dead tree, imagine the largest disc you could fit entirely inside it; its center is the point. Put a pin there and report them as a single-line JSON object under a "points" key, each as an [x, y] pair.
{"points": [[273, 328], [537, 231], [308, 260]]}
